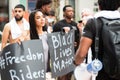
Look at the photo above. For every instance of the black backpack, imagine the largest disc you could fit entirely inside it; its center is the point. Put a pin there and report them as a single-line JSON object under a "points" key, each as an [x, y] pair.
{"points": [[110, 33]]}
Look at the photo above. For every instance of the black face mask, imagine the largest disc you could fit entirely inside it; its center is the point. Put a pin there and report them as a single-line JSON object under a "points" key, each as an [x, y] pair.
{"points": [[18, 19]]}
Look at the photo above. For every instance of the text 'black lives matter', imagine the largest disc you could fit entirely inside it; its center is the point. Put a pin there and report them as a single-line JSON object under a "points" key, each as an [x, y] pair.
{"points": [[61, 52]]}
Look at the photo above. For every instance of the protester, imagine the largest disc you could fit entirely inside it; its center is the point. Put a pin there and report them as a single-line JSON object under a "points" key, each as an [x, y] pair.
{"points": [[108, 10], [45, 7], [37, 21], [67, 24], [85, 15], [51, 20], [17, 29]]}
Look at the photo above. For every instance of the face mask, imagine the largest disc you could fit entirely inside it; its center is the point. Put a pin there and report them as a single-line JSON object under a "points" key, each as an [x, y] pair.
{"points": [[50, 20]]}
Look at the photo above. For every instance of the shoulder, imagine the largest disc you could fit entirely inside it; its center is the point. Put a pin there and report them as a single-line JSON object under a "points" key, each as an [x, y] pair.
{"points": [[44, 36], [59, 22], [44, 32], [90, 22], [74, 23], [7, 26], [89, 30], [89, 25]]}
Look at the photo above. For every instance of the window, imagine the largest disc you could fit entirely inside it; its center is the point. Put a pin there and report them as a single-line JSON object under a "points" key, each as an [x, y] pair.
{"points": [[31, 4]]}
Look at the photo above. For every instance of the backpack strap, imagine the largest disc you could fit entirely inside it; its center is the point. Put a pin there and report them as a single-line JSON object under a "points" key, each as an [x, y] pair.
{"points": [[96, 38]]}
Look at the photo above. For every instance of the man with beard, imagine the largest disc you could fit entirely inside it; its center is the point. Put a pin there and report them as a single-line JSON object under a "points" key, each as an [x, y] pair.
{"points": [[66, 25], [45, 7], [17, 29]]}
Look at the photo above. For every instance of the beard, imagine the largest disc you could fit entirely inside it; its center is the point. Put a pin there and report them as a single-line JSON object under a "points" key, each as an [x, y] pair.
{"points": [[47, 13], [18, 19], [69, 17]]}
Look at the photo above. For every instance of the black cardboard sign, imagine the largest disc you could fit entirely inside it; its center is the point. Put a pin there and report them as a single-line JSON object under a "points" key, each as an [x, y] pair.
{"points": [[61, 52], [23, 62]]}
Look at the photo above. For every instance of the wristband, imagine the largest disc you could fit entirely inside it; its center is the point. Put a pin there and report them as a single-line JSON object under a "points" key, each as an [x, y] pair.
{"points": [[75, 63]]}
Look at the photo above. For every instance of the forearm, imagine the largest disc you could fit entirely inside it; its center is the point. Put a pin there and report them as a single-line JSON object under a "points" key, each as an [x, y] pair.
{"points": [[79, 58], [3, 45], [82, 51]]}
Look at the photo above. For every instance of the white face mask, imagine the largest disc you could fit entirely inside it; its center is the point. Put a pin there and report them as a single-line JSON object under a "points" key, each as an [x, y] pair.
{"points": [[50, 20]]}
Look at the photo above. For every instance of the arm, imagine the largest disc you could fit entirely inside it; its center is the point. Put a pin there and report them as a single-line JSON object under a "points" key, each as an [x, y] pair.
{"points": [[25, 36], [82, 51], [5, 35], [85, 42], [28, 35]]}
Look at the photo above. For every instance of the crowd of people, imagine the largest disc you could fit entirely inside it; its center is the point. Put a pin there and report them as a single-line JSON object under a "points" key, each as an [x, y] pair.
{"points": [[42, 21]]}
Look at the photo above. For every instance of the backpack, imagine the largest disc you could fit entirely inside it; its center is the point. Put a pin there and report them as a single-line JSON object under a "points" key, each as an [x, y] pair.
{"points": [[110, 33]]}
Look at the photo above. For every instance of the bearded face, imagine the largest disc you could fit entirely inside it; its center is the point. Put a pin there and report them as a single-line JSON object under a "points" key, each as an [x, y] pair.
{"points": [[18, 18], [18, 14], [69, 13], [69, 16]]}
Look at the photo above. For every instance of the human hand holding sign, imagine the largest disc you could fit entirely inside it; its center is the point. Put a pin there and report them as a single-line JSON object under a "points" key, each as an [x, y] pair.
{"points": [[24, 36], [66, 29]]}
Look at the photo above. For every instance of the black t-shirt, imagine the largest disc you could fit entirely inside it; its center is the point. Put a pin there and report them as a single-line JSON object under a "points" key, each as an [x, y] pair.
{"points": [[73, 25], [90, 32]]}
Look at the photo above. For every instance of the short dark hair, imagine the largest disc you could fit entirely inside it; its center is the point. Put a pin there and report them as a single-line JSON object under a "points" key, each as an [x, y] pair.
{"points": [[41, 3], [64, 8], [109, 4], [20, 6]]}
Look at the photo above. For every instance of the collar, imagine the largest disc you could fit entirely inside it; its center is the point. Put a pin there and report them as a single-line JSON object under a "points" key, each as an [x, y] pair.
{"points": [[108, 14]]}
